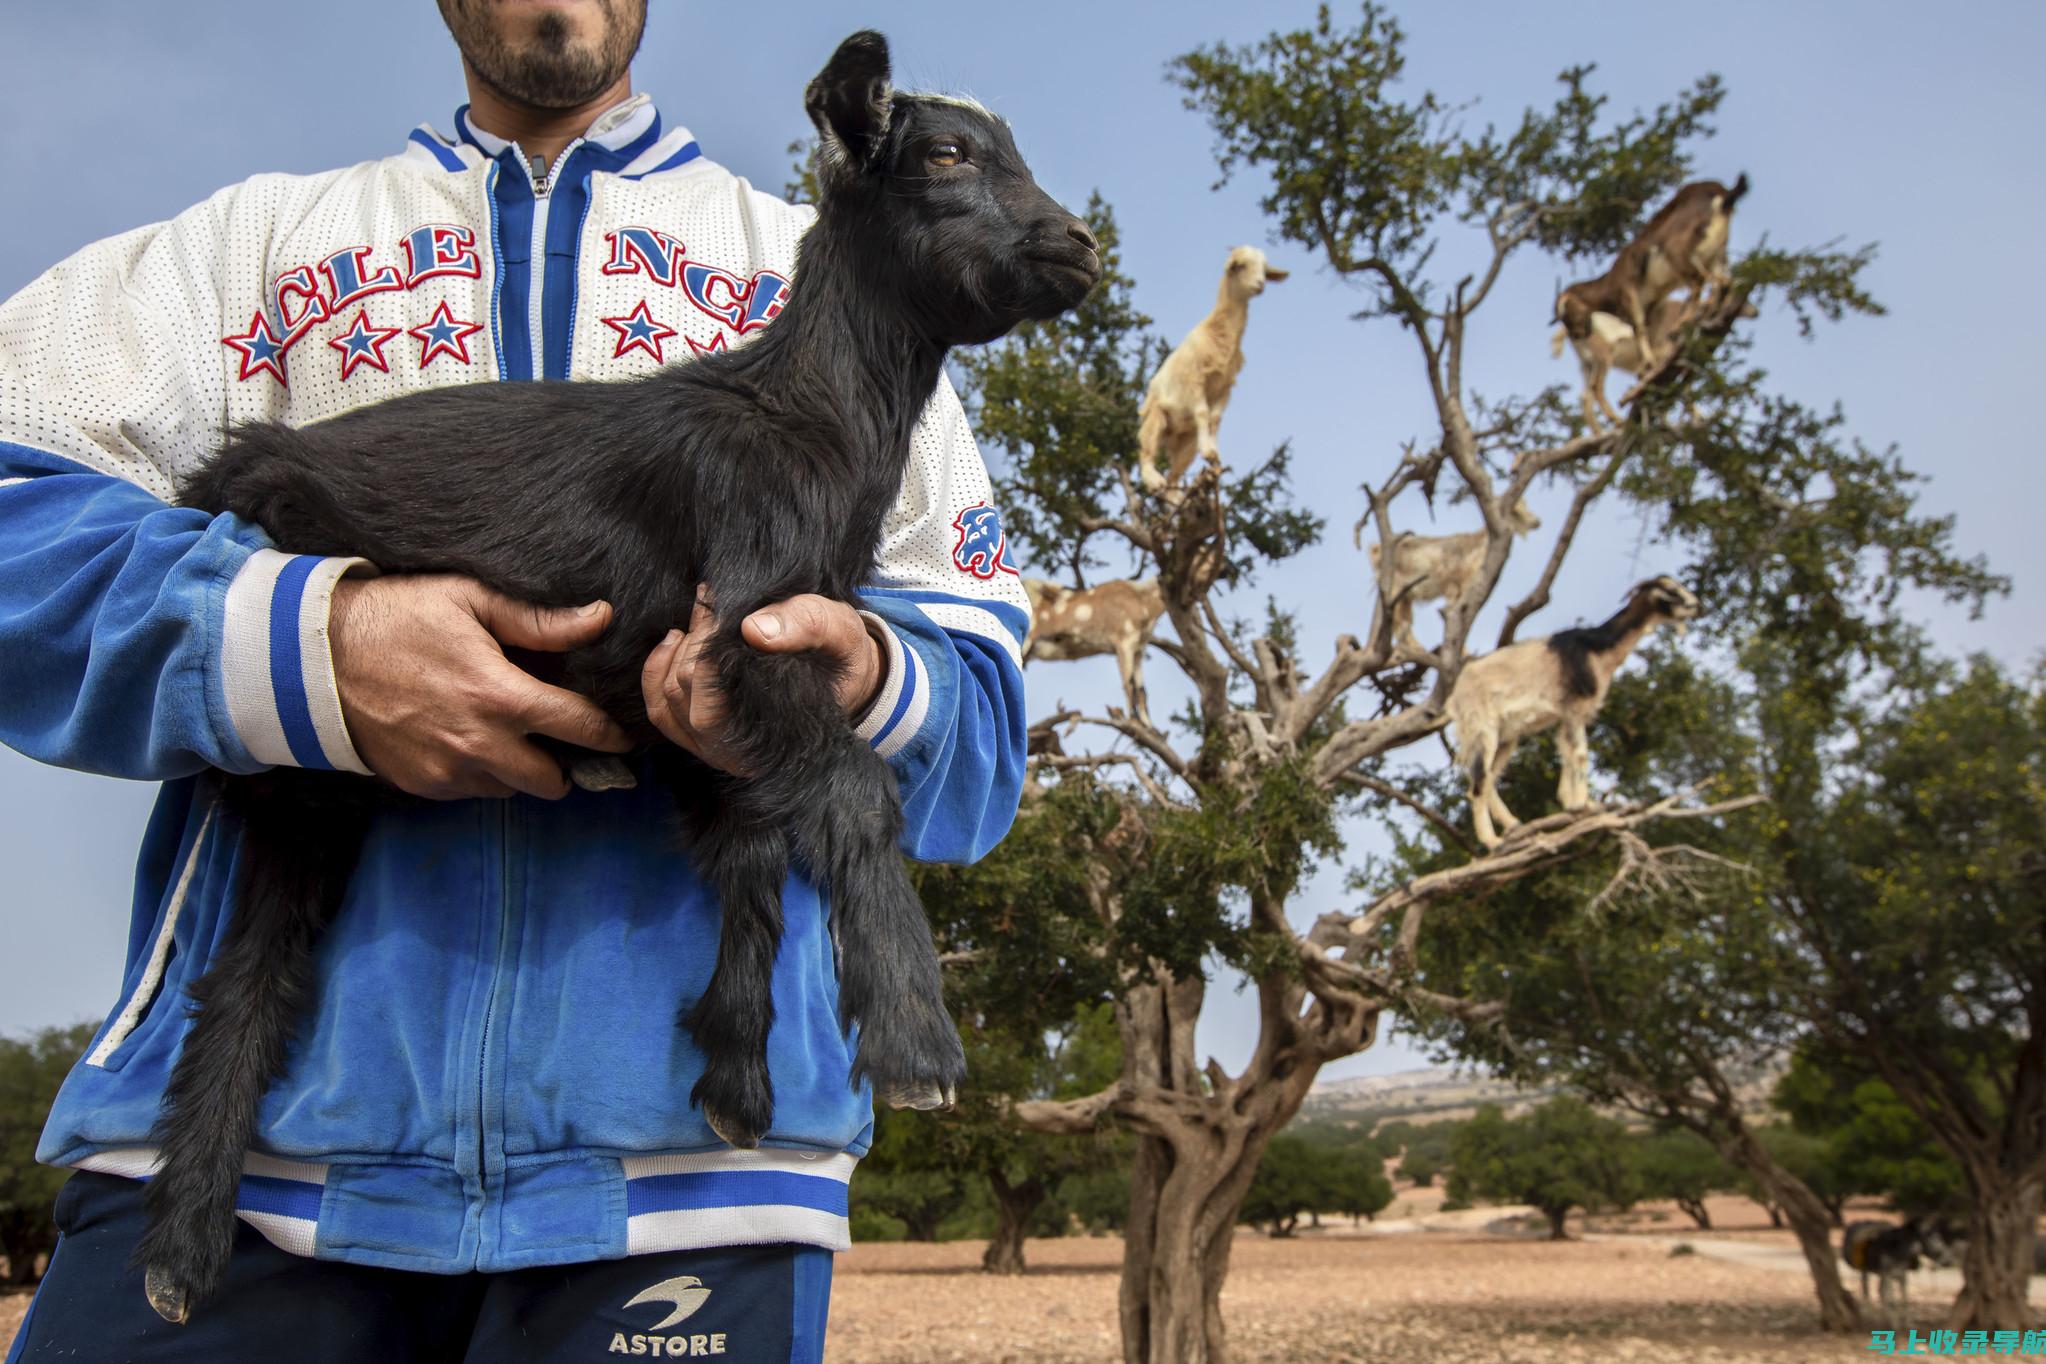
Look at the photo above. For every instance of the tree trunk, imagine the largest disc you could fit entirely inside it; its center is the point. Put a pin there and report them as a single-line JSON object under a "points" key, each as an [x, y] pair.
{"points": [[1557, 1216], [1807, 1216], [1996, 1267], [1775, 1215], [1694, 1208], [1014, 1206]]}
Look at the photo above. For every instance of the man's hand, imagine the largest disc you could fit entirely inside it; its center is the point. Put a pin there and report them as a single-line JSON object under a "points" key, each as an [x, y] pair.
{"points": [[432, 703], [682, 697]]}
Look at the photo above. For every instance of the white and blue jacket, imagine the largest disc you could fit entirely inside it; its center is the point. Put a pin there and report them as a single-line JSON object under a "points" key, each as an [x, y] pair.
{"points": [[492, 1076]]}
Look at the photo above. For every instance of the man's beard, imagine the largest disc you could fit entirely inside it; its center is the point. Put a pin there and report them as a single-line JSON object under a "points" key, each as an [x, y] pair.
{"points": [[554, 70]]}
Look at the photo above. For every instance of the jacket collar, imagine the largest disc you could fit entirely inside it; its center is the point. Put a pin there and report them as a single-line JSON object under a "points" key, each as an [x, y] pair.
{"points": [[627, 139]]}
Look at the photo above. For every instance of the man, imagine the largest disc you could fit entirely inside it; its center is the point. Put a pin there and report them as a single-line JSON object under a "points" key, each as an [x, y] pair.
{"points": [[482, 1145]]}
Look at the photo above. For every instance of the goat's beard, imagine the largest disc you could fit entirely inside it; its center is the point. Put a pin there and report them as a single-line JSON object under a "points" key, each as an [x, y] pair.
{"points": [[555, 67]]}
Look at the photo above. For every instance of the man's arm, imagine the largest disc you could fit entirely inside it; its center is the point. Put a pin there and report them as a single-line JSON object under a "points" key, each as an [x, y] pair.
{"points": [[950, 717], [149, 641]]}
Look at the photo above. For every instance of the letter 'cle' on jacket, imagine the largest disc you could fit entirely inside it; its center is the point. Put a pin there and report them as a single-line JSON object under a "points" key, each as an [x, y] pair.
{"points": [[491, 1076]]}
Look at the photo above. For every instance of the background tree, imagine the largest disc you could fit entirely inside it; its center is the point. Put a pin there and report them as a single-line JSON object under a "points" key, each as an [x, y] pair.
{"points": [[1868, 1141], [1683, 1167], [1198, 830], [1556, 1157], [31, 1068]]}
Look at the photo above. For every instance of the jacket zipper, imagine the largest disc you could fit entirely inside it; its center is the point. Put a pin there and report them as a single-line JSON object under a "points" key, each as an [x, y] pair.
{"points": [[542, 176]]}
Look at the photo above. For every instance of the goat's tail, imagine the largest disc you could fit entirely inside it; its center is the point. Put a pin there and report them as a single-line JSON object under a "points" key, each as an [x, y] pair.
{"points": [[1733, 195], [295, 864]]}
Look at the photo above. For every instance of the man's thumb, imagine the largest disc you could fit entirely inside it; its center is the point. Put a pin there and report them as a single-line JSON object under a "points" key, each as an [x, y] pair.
{"points": [[550, 629]]}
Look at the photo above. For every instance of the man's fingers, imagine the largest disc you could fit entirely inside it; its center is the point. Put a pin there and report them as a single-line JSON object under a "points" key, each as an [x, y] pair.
{"points": [[562, 714], [528, 768], [552, 629], [802, 622]]}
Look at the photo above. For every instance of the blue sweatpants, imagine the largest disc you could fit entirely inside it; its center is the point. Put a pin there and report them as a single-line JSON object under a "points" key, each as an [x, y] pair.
{"points": [[738, 1305]]}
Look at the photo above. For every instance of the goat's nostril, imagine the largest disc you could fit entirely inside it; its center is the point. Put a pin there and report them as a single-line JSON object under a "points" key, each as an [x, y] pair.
{"points": [[1079, 233]]}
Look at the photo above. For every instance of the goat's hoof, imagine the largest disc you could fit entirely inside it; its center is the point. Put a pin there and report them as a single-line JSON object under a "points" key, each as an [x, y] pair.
{"points": [[924, 1098], [166, 1295], [732, 1131], [601, 772]]}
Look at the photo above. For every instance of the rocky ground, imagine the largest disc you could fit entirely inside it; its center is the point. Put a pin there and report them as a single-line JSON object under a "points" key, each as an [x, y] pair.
{"points": [[1420, 1286]]}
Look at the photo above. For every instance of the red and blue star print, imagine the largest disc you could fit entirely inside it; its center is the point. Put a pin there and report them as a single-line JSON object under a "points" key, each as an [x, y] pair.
{"points": [[637, 331]]}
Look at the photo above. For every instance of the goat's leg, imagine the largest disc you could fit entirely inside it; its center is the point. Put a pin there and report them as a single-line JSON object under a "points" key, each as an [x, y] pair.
{"points": [[1129, 662], [1501, 755], [296, 857], [1573, 751], [742, 849], [1477, 759], [840, 801], [1152, 429]]}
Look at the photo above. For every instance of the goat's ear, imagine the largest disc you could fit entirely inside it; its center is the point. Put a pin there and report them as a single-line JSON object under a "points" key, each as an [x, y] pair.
{"points": [[848, 101]]}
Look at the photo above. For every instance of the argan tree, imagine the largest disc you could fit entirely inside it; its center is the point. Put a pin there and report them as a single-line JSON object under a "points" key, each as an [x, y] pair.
{"points": [[1193, 835]]}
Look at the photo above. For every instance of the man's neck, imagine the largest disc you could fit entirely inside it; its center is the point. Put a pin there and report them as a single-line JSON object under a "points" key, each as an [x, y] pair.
{"points": [[539, 132]]}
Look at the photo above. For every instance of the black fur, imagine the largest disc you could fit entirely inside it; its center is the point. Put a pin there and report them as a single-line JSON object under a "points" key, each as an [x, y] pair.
{"points": [[764, 473], [1575, 647]]}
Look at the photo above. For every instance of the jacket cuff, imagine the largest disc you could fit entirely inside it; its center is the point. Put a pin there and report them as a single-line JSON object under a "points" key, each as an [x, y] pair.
{"points": [[276, 666], [898, 710]]}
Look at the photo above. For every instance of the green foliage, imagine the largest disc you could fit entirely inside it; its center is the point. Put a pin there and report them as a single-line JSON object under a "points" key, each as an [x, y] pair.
{"points": [[1867, 1141], [1301, 1175], [1559, 1156], [1683, 1167], [31, 1069]]}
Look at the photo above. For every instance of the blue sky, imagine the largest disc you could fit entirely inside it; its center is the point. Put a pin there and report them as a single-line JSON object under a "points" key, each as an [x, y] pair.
{"points": [[1883, 123]]}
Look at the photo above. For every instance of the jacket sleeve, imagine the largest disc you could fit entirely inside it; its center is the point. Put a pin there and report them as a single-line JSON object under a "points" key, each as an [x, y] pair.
{"points": [[950, 718], [139, 639]]}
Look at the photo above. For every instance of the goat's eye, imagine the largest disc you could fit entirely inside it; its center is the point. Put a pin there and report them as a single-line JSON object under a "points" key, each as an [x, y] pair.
{"points": [[945, 154]]}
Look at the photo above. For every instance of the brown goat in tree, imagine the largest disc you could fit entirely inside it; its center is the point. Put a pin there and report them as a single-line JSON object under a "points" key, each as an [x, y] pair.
{"points": [[1111, 618], [1682, 246], [1612, 345]]}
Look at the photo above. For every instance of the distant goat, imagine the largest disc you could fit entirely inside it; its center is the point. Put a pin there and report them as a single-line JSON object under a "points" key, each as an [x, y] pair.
{"points": [[1438, 568], [1109, 618], [1683, 245], [1891, 1253], [1561, 681], [762, 473], [1183, 406]]}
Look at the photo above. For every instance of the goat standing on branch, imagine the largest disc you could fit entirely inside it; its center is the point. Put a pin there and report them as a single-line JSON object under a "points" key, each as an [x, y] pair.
{"points": [[1080, 622], [1560, 682], [1437, 568], [1682, 246], [1183, 407], [697, 496]]}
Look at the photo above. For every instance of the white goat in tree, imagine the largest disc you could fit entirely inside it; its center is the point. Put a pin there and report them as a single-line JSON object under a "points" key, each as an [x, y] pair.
{"points": [[1109, 618], [1560, 682], [1437, 568], [1183, 406]]}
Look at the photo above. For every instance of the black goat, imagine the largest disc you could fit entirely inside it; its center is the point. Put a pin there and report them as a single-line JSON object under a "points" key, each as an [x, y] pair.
{"points": [[761, 473]]}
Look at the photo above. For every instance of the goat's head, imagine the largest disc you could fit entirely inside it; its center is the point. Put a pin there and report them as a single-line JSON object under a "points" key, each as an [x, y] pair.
{"points": [[1522, 518], [968, 243], [1667, 599], [1248, 272]]}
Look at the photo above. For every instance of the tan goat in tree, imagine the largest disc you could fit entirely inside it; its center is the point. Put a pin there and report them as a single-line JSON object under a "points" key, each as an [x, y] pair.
{"points": [[1183, 406], [1559, 682], [1437, 568], [1682, 246], [1109, 618]]}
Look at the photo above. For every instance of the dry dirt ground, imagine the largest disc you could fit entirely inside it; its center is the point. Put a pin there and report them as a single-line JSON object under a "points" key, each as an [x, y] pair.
{"points": [[1456, 1296]]}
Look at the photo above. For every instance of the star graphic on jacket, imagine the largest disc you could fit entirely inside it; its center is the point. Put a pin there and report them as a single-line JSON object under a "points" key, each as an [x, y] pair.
{"points": [[362, 344], [260, 349], [444, 334], [638, 331]]}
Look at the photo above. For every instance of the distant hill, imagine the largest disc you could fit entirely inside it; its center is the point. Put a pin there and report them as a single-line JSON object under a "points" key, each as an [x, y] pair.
{"points": [[1436, 1094], [1416, 1095]]}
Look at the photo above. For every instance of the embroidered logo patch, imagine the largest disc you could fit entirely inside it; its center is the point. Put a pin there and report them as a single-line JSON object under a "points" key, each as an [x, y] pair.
{"points": [[983, 547]]}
